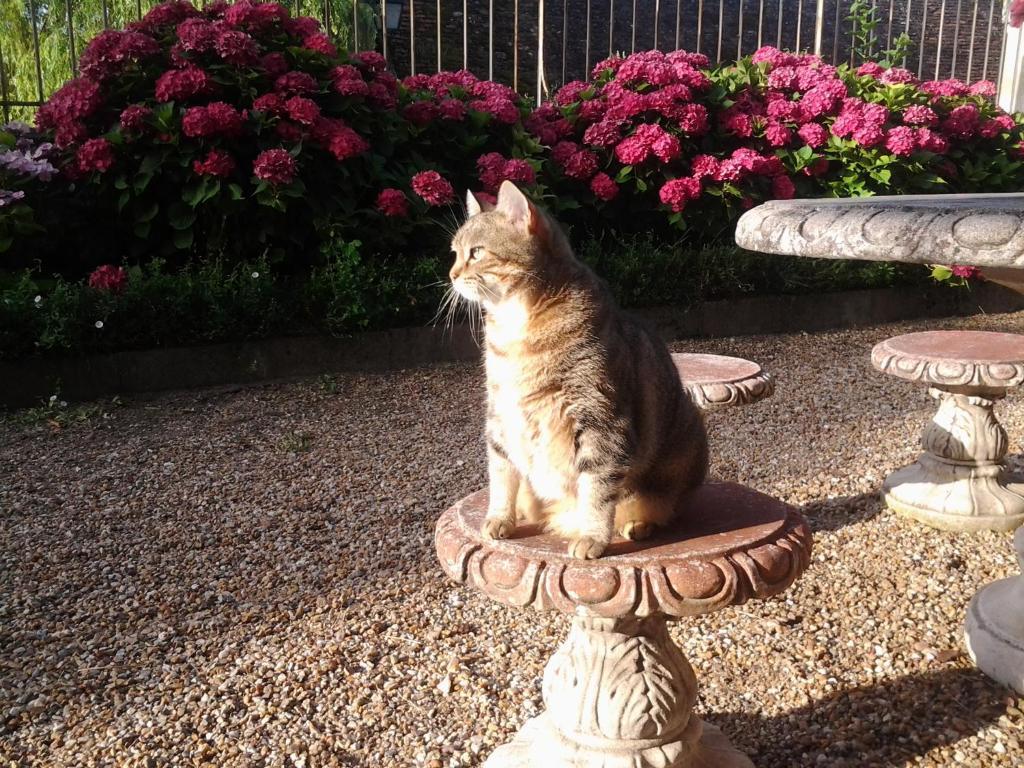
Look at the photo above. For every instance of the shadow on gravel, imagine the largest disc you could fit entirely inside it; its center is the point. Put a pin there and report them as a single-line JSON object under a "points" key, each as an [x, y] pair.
{"points": [[888, 724], [833, 514]]}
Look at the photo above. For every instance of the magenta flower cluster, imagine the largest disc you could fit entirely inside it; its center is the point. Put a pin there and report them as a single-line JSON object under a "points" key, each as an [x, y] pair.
{"points": [[647, 120], [185, 56]]}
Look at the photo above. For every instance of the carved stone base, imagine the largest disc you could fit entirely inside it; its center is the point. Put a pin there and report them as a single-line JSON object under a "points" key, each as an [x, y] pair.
{"points": [[959, 483], [995, 627], [619, 694], [707, 747]]}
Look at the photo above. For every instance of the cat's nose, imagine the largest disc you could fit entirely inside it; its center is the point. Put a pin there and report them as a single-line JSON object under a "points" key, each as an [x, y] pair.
{"points": [[454, 272]]}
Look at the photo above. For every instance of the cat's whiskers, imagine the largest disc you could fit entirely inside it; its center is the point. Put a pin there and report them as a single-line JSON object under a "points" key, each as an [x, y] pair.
{"points": [[446, 309]]}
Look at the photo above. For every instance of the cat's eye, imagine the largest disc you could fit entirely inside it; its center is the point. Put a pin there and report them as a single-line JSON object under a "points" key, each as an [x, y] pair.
{"points": [[474, 254]]}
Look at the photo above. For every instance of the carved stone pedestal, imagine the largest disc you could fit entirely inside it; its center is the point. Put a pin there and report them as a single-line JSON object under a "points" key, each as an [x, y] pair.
{"points": [[995, 627], [959, 483], [619, 693], [719, 381]]}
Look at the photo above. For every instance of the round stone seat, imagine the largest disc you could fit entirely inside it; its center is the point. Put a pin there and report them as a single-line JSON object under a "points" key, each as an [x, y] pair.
{"points": [[954, 358], [959, 483], [720, 381], [619, 692]]}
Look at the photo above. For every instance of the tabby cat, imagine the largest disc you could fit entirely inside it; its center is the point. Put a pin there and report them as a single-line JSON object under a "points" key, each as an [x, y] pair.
{"points": [[588, 427]]}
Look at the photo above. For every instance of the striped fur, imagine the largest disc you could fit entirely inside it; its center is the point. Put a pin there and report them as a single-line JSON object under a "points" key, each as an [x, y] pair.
{"points": [[588, 426]]}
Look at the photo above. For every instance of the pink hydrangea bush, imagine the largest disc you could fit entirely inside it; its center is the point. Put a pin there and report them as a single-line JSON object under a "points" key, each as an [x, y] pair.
{"points": [[240, 129], [701, 145], [232, 129], [471, 128]]}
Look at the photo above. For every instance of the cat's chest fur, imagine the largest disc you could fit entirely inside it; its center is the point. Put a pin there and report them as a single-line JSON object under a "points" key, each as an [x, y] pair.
{"points": [[528, 408]]}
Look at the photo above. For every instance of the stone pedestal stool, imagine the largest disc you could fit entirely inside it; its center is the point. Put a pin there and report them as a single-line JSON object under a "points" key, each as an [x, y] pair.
{"points": [[995, 627], [719, 381], [619, 693], [959, 482]]}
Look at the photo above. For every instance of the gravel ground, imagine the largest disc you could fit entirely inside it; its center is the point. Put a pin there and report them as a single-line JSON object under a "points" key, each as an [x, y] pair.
{"points": [[246, 577]]}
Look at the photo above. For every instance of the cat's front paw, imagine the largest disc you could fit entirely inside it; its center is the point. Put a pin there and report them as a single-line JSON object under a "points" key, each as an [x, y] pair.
{"points": [[586, 548], [497, 528]]}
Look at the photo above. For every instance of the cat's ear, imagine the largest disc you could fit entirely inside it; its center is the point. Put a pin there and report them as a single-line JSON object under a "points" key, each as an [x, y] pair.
{"points": [[516, 206], [475, 205]]}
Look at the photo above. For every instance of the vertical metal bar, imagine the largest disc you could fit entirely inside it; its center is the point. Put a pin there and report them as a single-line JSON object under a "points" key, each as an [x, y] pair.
{"points": [[739, 34], [835, 35], [924, 27], [465, 34], [778, 41], [106, 15], [586, 54], [721, 23], [490, 40], [657, 18], [906, 30], [988, 39], [71, 40], [819, 25], [853, 41], [938, 50], [611, 26], [412, 37], [760, 21], [439, 67], [632, 43], [565, 34], [999, 73], [515, 45], [3, 88], [888, 29], [799, 20], [970, 51], [36, 49], [872, 39], [540, 51], [384, 28], [700, 23], [956, 41], [138, 7], [678, 20]]}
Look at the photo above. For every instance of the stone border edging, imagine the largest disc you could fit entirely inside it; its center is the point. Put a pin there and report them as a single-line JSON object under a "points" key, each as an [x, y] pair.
{"points": [[30, 381]]}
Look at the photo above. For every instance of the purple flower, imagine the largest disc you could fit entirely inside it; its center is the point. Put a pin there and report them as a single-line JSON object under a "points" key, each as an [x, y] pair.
{"points": [[7, 197], [17, 127], [28, 164]]}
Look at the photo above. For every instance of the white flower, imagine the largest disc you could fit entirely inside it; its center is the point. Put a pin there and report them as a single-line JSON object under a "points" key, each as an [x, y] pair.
{"points": [[255, 275], [63, 403], [38, 300], [53, 399], [99, 323]]}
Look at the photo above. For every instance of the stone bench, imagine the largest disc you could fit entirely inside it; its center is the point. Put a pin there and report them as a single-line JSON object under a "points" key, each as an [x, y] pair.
{"points": [[959, 483], [719, 381], [619, 692]]}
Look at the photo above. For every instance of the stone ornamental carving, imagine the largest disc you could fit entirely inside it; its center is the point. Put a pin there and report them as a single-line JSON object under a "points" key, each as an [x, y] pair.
{"points": [[619, 693], [980, 230], [959, 482], [718, 381]]}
